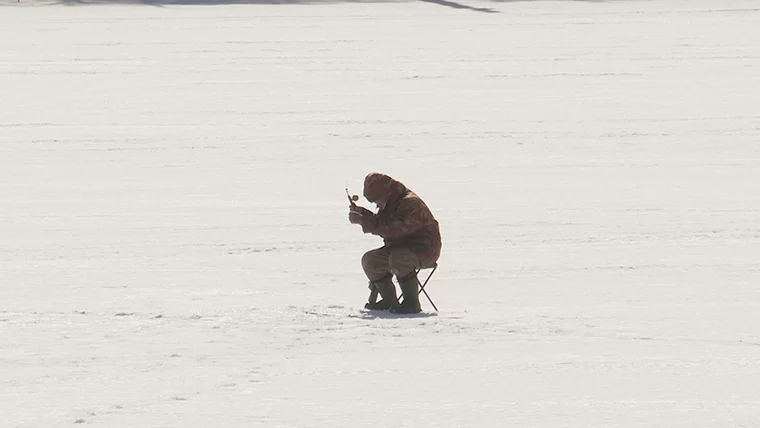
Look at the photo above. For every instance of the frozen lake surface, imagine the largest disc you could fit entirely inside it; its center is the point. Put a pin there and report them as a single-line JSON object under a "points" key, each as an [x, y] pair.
{"points": [[174, 243]]}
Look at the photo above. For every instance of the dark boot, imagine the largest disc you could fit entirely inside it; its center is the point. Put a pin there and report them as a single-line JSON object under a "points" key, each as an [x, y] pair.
{"points": [[410, 288], [387, 291]]}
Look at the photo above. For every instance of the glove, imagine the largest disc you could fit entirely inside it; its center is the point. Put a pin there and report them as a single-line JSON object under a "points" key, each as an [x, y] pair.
{"points": [[358, 215]]}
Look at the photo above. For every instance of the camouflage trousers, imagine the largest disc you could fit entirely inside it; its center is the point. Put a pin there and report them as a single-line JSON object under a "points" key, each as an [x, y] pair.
{"points": [[379, 262]]}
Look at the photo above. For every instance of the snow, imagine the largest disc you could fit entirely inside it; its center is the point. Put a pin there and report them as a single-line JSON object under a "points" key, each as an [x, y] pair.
{"points": [[174, 243]]}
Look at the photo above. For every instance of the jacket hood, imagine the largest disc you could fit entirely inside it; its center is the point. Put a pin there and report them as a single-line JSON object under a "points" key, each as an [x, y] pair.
{"points": [[380, 186]]}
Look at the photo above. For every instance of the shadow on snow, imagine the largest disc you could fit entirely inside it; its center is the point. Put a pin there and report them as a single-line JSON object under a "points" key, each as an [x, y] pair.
{"points": [[372, 315]]}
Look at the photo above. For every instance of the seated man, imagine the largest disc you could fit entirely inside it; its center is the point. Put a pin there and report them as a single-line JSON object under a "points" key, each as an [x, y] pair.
{"points": [[412, 241]]}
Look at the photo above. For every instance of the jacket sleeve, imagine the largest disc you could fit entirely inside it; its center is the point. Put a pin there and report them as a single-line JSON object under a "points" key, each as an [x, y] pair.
{"points": [[411, 216]]}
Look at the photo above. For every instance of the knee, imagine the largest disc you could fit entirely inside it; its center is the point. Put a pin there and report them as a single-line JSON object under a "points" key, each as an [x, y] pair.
{"points": [[366, 260], [371, 259], [403, 262]]}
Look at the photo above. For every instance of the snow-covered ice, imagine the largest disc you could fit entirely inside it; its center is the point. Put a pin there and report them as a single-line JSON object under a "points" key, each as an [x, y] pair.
{"points": [[174, 243]]}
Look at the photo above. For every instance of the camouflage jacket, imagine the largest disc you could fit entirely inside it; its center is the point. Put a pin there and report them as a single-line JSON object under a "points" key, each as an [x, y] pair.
{"points": [[404, 221]]}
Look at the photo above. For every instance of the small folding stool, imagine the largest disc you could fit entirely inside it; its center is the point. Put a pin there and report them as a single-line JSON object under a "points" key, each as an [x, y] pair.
{"points": [[434, 266]]}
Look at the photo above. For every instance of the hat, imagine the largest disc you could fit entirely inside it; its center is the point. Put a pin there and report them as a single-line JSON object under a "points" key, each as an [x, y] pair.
{"points": [[376, 186]]}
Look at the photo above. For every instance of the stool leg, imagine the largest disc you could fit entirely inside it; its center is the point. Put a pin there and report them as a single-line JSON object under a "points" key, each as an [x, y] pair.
{"points": [[429, 299], [422, 287]]}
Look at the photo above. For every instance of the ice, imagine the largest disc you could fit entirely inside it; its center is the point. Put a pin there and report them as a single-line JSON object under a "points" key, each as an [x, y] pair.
{"points": [[174, 242]]}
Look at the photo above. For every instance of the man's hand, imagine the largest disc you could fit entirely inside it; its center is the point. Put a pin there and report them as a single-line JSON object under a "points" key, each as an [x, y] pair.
{"points": [[358, 215]]}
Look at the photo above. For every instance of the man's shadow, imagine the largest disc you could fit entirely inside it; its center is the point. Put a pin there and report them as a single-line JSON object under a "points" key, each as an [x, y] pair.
{"points": [[367, 314]]}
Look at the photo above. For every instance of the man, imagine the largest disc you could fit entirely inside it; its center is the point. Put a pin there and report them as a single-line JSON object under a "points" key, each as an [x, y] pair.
{"points": [[411, 236]]}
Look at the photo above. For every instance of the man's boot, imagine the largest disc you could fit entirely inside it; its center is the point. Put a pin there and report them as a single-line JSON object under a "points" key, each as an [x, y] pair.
{"points": [[387, 291], [410, 287]]}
